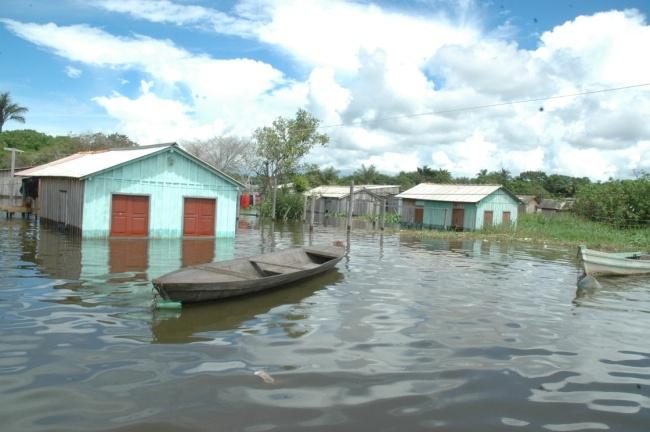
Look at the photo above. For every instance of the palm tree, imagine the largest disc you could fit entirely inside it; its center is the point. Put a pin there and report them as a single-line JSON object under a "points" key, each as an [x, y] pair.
{"points": [[366, 175], [10, 110]]}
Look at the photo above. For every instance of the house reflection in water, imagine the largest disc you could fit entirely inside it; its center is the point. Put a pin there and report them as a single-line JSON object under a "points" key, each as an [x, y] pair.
{"points": [[121, 260]]}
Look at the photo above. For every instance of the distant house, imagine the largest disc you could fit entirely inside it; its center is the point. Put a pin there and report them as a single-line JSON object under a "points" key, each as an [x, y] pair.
{"points": [[551, 207], [334, 199], [149, 191], [528, 204], [461, 207]]}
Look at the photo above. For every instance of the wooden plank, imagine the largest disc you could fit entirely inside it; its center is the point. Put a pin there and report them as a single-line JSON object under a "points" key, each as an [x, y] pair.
{"points": [[224, 271], [279, 265]]}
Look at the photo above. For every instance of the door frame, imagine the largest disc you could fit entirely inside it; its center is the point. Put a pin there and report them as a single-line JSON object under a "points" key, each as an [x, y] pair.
{"points": [[110, 214], [216, 206]]}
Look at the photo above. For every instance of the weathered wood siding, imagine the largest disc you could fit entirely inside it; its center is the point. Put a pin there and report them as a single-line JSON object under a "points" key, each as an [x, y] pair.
{"points": [[498, 202], [166, 178], [61, 200]]}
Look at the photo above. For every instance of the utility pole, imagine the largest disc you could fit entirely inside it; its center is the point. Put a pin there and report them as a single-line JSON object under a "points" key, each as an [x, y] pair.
{"points": [[13, 168], [13, 158]]}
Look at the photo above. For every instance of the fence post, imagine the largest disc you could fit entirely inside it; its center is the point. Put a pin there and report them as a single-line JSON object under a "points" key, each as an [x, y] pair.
{"points": [[311, 217], [374, 214], [304, 209], [383, 214], [350, 205]]}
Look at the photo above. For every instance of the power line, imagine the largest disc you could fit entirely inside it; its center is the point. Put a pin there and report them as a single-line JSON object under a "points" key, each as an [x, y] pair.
{"points": [[479, 107]]}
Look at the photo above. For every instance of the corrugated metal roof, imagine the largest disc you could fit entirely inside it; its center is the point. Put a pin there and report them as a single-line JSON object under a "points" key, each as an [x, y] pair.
{"points": [[341, 191], [449, 192], [83, 164]]}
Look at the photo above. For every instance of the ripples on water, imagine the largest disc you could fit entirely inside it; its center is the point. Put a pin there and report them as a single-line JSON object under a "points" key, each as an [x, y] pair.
{"points": [[405, 335]]}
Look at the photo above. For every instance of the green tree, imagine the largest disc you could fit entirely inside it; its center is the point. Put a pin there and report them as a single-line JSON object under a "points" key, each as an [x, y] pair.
{"points": [[318, 177], [365, 175], [10, 110], [281, 146], [622, 203], [426, 174]]}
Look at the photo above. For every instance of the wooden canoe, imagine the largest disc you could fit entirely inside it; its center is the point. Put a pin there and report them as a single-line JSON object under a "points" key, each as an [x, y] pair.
{"points": [[241, 276], [614, 263]]}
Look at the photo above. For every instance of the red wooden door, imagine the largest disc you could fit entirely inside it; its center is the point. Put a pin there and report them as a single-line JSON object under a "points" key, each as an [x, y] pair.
{"points": [[198, 217], [130, 216], [457, 218], [506, 217], [419, 215], [487, 218]]}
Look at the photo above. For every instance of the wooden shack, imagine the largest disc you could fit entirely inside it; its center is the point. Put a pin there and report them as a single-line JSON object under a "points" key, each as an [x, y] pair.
{"points": [[460, 207], [366, 198], [528, 204], [158, 191], [551, 207]]}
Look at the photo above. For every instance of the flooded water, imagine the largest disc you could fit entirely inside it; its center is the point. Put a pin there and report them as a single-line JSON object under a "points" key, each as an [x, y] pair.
{"points": [[404, 336]]}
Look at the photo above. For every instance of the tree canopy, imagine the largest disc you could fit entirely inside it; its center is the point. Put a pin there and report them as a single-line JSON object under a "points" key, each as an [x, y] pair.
{"points": [[10, 110], [40, 148], [281, 146]]}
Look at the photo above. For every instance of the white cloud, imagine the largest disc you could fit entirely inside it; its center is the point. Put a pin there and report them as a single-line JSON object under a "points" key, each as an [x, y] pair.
{"points": [[73, 72], [240, 94], [392, 162], [163, 11], [373, 68]]}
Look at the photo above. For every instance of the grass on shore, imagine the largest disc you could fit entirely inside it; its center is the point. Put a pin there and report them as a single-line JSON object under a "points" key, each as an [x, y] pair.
{"points": [[560, 229]]}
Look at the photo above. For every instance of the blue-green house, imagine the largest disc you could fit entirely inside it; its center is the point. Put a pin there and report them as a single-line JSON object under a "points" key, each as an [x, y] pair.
{"points": [[158, 191], [461, 207]]}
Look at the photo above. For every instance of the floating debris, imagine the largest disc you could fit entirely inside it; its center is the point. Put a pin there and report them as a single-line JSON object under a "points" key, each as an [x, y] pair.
{"points": [[265, 376]]}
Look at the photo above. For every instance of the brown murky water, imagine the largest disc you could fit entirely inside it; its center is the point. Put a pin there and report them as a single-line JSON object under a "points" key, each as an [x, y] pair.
{"points": [[404, 335]]}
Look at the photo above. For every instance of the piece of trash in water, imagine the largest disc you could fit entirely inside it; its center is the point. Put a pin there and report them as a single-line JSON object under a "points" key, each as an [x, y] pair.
{"points": [[166, 304], [265, 376]]}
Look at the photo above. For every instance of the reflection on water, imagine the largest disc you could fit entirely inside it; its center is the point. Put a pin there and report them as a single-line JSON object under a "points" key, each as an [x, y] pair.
{"points": [[198, 319], [405, 335]]}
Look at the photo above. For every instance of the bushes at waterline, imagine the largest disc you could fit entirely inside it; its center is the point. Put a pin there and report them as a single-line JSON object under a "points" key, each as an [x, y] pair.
{"points": [[620, 203], [288, 206]]}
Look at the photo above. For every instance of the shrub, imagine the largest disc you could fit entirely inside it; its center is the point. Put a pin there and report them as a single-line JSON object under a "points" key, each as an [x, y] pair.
{"points": [[288, 206]]}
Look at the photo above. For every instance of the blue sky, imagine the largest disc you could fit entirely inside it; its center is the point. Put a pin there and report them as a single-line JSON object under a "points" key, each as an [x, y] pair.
{"points": [[185, 70]]}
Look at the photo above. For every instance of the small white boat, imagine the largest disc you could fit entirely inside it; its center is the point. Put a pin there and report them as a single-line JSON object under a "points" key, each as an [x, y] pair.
{"points": [[614, 263]]}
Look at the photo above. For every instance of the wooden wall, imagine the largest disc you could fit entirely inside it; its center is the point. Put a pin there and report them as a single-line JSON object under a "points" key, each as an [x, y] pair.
{"points": [[61, 200]]}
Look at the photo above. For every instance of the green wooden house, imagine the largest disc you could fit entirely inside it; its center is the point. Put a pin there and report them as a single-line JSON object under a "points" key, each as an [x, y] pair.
{"points": [[460, 207], [158, 191]]}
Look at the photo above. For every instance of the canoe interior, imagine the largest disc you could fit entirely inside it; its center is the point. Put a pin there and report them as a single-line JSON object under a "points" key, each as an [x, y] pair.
{"points": [[245, 275]]}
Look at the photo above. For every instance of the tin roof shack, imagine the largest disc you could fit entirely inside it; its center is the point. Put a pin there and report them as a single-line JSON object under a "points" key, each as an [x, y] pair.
{"points": [[528, 204], [367, 198], [551, 207], [158, 191], [460, 207]]}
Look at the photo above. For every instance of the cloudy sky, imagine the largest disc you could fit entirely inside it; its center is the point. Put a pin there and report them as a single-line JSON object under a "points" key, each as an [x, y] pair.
{"points": [[393, 83]]}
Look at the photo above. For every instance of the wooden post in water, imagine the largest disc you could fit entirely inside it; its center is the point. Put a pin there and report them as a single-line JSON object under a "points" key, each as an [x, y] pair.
{"points": [[275, 197], [383, 215], [304, 210], [350, 206], [374, 214], [311, 217]]}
